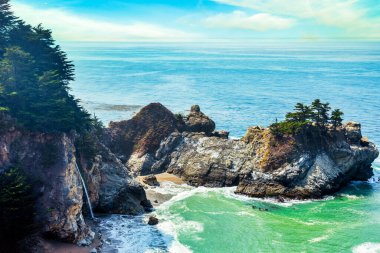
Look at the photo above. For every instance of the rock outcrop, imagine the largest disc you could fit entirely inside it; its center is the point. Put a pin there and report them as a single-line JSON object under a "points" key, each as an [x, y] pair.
{"points": [[144, 142], [309, 164]]}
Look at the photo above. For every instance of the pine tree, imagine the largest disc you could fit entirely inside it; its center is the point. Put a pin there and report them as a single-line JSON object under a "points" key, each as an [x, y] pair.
{"points": [[6, 21], [336, 118], [16, 208], [34, 78], [320, 112], [301, 113]]}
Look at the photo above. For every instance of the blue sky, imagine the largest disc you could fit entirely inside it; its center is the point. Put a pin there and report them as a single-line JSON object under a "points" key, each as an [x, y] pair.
{"points": [[204, 20]]}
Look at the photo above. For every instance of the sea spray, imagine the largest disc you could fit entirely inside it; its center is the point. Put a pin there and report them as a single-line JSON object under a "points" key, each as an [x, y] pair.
{"points": [[85, 191]]}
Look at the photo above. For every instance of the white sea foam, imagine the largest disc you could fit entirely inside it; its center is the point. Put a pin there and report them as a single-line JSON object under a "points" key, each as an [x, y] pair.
{"points": [[131, 234], [367, 247], [318, 239], [349, 196]]}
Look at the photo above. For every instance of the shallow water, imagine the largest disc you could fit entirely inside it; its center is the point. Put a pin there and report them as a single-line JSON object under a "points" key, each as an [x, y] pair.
{"points": [[240, 86]]}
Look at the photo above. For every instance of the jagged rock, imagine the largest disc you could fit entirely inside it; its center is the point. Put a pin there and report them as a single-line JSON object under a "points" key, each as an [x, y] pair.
{"points": [[155, 163], [311, 163], [151, 180], [152, 220], [49, 160], [197, 121], [353, 131], [209, 161], [307, 165], [112, 187], [143, 133]]}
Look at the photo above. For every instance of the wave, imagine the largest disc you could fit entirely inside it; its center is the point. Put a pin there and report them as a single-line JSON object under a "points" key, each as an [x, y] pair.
{"points": [[367, 247]]}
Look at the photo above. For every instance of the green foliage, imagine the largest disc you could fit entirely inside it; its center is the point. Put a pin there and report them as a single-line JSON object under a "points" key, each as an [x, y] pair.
{"points": [[316, 114], [16, 208], [179, 117], [320, 112], [286, 127], [34, 78], [86, 145], [336, 118]]}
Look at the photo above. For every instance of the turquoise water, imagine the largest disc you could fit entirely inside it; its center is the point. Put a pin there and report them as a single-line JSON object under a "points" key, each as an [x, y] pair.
{"points": [[240, 86], [349, 222]]}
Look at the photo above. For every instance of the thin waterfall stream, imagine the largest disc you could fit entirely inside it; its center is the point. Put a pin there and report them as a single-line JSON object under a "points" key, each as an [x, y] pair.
{"points": [[85, 191]]}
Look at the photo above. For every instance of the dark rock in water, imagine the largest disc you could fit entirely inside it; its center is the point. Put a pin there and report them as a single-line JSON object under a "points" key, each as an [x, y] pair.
{"points": [[280, 199], [151, 180], [197, 121], [152, 220]]}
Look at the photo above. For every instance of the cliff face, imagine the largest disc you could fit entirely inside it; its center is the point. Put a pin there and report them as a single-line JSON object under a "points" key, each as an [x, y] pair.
{"points": [[49, 161], [310, 164], [111, 186]]}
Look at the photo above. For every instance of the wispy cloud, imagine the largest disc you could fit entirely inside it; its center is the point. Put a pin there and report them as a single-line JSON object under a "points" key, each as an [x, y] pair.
{"points": [[346, 15], [72, 27], [258, 22]]}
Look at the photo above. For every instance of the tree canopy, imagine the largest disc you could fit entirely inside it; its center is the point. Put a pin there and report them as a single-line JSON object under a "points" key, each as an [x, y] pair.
{"points": [[34, 78], [317, 114]]}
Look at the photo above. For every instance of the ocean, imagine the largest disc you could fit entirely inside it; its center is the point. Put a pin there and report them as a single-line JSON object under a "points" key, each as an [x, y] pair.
{"points": [[239, 86]]}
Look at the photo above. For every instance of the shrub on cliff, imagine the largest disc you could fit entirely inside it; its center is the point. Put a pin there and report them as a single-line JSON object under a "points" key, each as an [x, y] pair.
{"points": [[34, 78], [16, 209]]}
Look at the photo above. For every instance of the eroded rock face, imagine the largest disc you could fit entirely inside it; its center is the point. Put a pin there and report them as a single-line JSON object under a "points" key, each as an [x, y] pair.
{"points": [[308, 165], [49, 161], [143, 133], [263, 166], [145, 142], [111, 186]]}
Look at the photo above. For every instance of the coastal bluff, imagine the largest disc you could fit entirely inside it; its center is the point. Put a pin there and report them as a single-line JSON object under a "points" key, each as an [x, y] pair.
{"points": [[309, 164]]}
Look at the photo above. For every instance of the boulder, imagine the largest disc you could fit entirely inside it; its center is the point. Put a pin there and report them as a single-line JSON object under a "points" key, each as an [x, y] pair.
{"points": [[197, 121], [152, 220], [151, 180]]}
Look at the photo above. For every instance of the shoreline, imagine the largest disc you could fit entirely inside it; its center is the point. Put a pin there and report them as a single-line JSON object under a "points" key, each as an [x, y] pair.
{"points": [[157, 198]]}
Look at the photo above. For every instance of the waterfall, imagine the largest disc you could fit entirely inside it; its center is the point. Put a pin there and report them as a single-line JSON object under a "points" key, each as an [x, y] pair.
{"points": [[85, 191]]}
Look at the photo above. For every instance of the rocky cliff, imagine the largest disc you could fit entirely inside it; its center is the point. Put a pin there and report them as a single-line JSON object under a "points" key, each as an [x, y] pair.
{"points": [[309, 164], [49, 161]]}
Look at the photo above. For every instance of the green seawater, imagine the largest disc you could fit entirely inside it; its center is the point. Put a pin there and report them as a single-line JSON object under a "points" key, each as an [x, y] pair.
{"points": [[212, 221]]}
